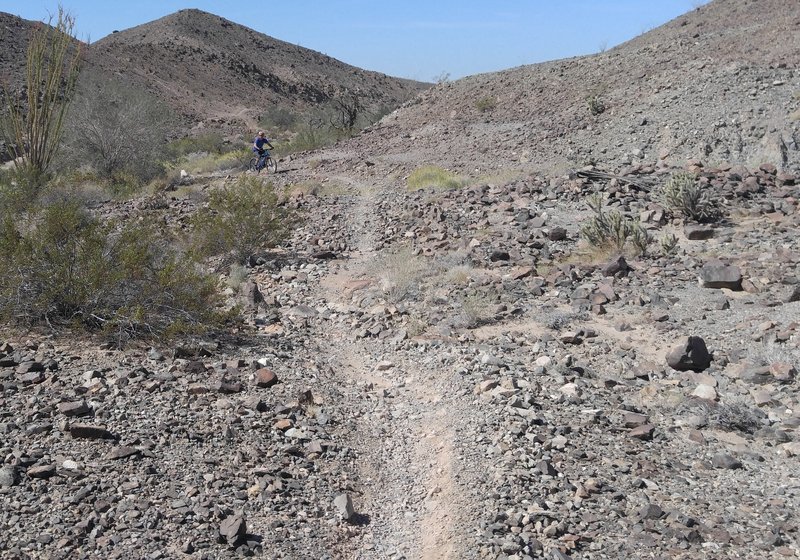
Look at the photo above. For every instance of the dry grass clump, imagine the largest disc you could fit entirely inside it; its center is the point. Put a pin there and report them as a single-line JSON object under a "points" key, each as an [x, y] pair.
{"points": [[612, 231], [733, 415], [475, 310], [433, 177], [401, 273]]}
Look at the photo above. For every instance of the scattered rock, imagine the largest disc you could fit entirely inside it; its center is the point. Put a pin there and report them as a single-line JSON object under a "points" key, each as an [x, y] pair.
{"points": [[344, 505], [266, 377], [725, 461], [233, 530], [88, 431], [691, 355], [720, 275]]}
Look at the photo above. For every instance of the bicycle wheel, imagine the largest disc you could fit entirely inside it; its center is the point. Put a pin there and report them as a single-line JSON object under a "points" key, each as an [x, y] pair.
{"points": [[271, 165], [253, 165]]}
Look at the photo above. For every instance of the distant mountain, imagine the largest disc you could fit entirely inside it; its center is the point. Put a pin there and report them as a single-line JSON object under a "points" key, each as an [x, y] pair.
{"points": [[720, 83], [214, 71]]}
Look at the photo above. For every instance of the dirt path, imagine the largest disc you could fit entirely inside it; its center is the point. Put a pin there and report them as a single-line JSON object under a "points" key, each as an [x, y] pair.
{"points": [[406, 440]]}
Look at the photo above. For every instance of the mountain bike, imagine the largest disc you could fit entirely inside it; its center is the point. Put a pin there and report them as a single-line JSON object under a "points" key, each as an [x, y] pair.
{"points": [[264, 161]]}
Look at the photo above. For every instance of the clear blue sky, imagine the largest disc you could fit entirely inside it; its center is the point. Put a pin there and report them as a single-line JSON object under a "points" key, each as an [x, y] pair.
{"points": [[419, 39]]}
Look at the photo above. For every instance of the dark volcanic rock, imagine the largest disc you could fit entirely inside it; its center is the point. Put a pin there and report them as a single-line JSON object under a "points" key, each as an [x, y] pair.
{"points": [[719, 275], [698, 232], [233, 530], [724, 461], [691, 355], [88, 431]]}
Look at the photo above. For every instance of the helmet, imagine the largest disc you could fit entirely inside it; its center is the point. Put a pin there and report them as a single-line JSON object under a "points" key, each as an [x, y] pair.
{"points": [[261, 133]]}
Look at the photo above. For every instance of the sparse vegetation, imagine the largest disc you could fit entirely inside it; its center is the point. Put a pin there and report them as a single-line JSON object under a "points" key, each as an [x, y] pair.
{"points": [[348, 109], [430, 176], [236, 277], [668, 244], [211, 162], [67, 268], [400, 273], [475, 310], [733, 415], [682, 194], [35, 121], [277, 118], [486, 104], [241, 220], [612, 230], [208, 143], [116, 130], [596, 104]]}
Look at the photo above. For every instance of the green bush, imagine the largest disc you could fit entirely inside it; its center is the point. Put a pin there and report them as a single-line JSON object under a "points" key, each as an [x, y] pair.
{"points": [[596, 104], [209, 143], [277, 118], [486, 104], [66, 267], [669, 244], [434, 177], [240, 220], [683, 195], [612, 230]]}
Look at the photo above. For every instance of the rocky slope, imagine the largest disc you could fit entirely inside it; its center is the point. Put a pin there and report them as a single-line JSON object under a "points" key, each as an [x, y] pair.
{"points": [[440, 374], [719, 83], [213, 71]]}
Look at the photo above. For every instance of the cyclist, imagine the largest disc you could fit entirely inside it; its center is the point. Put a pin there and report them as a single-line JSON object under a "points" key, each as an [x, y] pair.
{"points": [[258, 145]]}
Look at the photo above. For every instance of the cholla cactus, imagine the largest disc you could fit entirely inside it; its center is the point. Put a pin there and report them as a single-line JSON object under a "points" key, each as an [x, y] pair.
{"points": [[669, 244], [612, 229], [683, 195]]}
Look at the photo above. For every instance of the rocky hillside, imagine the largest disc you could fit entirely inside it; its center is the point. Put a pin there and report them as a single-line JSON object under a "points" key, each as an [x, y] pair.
{"points": [[719, 83], [455, 373], [216, 72], [14, 33]]}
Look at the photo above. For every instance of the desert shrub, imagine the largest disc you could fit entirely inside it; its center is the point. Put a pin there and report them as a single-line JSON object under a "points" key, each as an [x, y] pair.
{"points": [[206, 143], [668, 243], [595, 104], [116, 129], [682, 194], [314, 132], [17, 190], [400, 273], [486, 104], [236, 277], [434, 177], [68, 268], [612, 230], [277, 118], [240, 220]]}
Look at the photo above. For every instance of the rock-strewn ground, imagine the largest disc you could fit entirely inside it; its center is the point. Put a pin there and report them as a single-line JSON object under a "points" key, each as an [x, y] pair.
{"points": [[477, 386], [453, 373]]}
